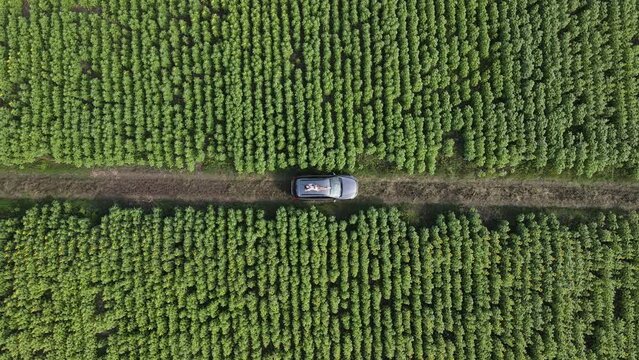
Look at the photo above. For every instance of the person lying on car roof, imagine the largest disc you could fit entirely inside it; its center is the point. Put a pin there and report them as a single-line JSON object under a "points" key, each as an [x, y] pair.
{"points": [[315, 187]]}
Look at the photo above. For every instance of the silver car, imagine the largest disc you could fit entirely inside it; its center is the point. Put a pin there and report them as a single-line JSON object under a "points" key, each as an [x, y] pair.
{"points": [[328, 187]]}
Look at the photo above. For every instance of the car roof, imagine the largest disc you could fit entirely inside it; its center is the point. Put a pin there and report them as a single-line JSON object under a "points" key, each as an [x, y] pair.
{"points": [[301, 182]]}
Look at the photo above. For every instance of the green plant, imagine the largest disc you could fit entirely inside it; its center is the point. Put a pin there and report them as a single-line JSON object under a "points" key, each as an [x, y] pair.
{"points": [[229, 283]]}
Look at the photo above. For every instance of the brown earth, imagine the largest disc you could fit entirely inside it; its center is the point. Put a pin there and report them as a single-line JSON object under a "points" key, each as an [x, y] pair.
{"points": [[148, 186], [26, 10]]}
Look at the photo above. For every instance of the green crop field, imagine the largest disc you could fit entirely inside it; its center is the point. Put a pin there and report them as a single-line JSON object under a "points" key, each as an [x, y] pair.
{"points": [[478, 87], [497, 86], [235, 284]]}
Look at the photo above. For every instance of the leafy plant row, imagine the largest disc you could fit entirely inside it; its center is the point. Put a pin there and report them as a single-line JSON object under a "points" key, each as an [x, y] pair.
{"points": [[227, 283], [499, 86]]}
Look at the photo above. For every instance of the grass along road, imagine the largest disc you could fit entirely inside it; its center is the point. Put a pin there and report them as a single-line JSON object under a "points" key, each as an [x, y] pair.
{"points": [[144, 185]]}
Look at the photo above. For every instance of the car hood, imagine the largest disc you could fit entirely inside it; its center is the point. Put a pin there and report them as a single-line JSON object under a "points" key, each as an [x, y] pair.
{"points": [[349, 187]]}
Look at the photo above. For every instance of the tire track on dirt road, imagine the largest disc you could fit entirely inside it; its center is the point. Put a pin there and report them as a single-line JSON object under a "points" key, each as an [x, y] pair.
{"points": [[150, 185]]}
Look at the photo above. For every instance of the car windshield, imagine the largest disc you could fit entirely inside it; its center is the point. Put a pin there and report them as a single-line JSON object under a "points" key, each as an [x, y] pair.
{"points": [[336, 188]]}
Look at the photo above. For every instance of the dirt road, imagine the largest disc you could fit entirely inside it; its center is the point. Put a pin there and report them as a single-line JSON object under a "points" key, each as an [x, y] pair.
{"points": [[149, 186]]}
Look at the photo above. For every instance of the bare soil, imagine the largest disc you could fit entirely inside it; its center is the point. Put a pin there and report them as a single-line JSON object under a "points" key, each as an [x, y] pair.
{"points": [[26, 9], [86, 9], [148, 186]]}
